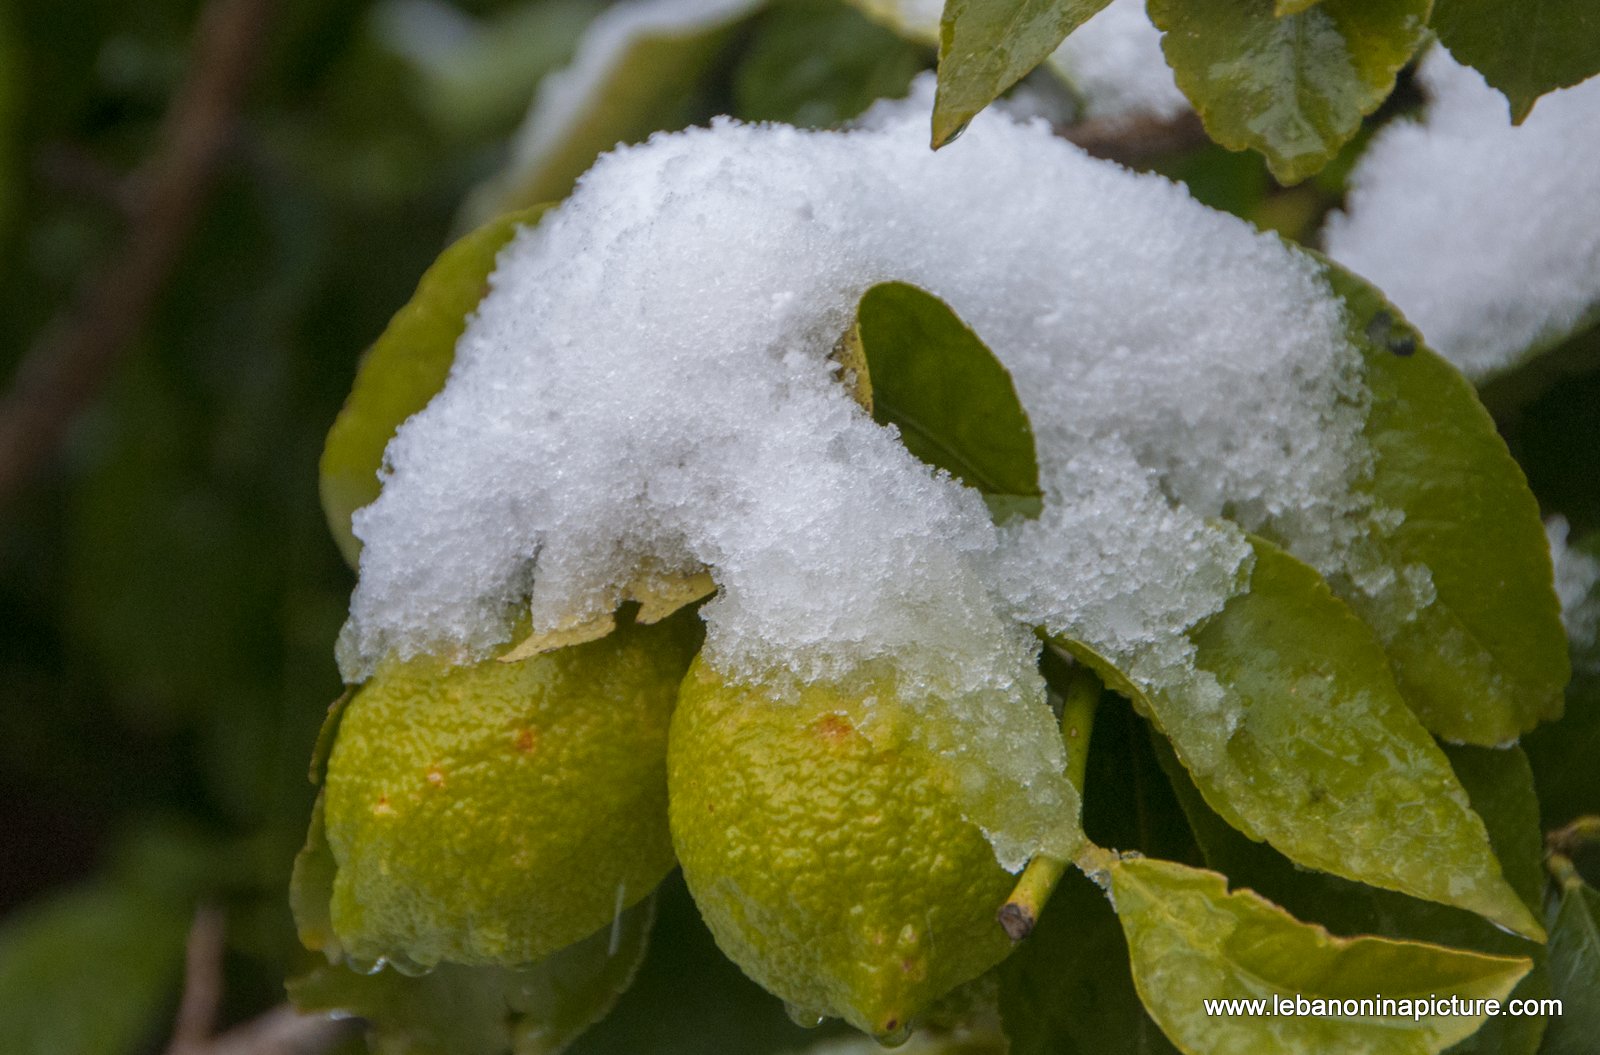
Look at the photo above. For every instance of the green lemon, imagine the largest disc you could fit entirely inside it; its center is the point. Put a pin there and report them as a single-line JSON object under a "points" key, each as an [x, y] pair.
{"points": [[839, 874], [496, 812]]}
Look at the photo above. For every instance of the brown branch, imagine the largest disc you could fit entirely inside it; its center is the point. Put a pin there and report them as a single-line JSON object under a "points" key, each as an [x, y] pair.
{"points": [[70, 361], [283, 1031], [1137, 141], [202, 982]]}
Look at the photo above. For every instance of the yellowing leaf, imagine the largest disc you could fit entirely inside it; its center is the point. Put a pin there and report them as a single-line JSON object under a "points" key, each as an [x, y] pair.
{"points": [[1295, 86], [1191, 940], [986, 46]]}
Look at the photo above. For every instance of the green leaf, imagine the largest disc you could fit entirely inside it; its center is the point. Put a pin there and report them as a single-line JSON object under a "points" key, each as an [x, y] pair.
{"points": [[1563, 752], [404, 369], [1487, 660], [1524, 48], [917, 366], [311, 889], [1312, 748], [1191, 940], [651, 80], [1575, 972], [1068, 989], [1293, 87], [92, 971], [1501, 791], [819, 63], [986, 46], [454, 1010]]}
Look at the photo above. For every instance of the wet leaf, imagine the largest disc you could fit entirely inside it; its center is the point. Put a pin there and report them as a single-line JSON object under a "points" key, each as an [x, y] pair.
{"points": [[1486, 660], [1312, 748], [403, 370], [455, 1010], [1293, 87], [1524, 48], [1498, 783], [986, 46], [1191, 940], [917, 366]]}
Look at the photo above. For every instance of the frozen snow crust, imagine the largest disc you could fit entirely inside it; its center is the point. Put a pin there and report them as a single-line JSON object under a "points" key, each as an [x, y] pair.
{"points": [[1486, 235], [647, 389]]}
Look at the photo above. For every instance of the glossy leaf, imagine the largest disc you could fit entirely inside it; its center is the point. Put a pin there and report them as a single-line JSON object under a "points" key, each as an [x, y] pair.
{"points": [[1524, 48], [986, 46], [1191, 940], [1500, 788], [1313, 750], [91, 971], [649, 80], [403, 370], [819, 63], [917, 366], [454, 1010], [1485, 661], [1575, 971], [1293, 87]]}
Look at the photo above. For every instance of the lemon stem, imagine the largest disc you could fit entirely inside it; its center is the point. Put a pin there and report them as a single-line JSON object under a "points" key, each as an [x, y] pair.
{"points": [[1038, 881]]}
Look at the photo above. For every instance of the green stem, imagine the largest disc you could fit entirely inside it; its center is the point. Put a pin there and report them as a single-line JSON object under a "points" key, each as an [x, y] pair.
{"points": [[1081, 691]]}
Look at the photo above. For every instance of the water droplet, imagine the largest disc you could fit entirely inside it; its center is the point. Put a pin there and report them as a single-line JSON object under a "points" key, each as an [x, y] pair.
{"points": [[805, 1018], [894, 1034]]}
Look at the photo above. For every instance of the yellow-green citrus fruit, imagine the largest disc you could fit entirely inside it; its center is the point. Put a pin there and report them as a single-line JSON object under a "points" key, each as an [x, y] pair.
{"points": [[496, 812], [839, 874]]}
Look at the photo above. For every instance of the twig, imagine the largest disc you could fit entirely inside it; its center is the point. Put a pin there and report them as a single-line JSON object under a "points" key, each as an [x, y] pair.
{"points": [[1137, 141], [70, 361], [283, 1031], [202, 982]]}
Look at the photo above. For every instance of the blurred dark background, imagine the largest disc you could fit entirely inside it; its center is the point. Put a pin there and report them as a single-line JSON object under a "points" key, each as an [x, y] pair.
{"points": [[206, 213]]}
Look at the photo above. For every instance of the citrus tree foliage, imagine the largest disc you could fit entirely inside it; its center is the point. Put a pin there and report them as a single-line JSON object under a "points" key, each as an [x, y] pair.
{"points": [[591, 837]]}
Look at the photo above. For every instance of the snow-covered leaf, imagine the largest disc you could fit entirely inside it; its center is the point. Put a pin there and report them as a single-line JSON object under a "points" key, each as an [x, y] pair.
{"points": [[637, 70], [819, 63], [986, 46], [404, 368], [1191, 941], [1487, 235], [1524, 48], [1310, 746], [456, 1010], [917, 366], [1485, 660], [1575, 971], [1293, 87]]}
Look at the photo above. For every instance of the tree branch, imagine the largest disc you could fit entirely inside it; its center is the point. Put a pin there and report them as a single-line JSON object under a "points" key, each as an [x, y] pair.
{"points": [[1137, 141], [70, 361]]}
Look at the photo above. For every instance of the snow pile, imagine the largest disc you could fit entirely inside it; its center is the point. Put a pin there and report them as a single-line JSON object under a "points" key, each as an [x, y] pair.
{"points": [[1577, 586], [647, 388], [1115, 64], [1486, 235]]}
